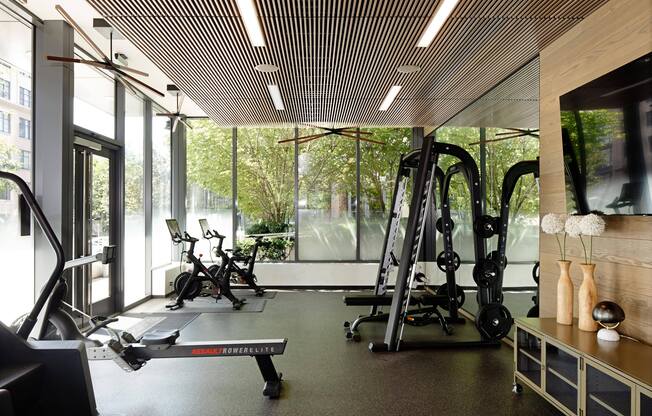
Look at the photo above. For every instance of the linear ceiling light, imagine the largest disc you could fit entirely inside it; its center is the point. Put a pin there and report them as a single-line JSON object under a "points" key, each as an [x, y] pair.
{"points": [[275, 93], [442, 13], [249, 16], [389, 98]]}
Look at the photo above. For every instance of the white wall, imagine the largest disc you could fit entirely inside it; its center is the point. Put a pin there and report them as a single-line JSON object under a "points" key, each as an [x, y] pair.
{"points": [[342, 274]]}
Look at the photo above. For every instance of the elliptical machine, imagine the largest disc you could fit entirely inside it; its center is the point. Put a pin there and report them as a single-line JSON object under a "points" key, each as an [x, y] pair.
{"points": [[232, 270], [188, 285]]}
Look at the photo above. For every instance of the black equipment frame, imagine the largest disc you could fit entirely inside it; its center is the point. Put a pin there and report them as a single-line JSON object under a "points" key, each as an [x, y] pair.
{"points": [[200, 273], [247, 275]]}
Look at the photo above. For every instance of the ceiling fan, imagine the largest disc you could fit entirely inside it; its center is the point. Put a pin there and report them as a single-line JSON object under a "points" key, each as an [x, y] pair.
{"points": [[106, 63], [512, 133], [177, 117], [349, 132]]}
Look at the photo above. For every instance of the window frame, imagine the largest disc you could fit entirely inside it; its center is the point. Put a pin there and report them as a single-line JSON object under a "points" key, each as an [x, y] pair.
{"points": [[5, 89]]}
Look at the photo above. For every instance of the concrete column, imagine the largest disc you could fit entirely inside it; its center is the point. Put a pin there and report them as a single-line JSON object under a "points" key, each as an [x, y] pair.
{"points": [[53, 140]]}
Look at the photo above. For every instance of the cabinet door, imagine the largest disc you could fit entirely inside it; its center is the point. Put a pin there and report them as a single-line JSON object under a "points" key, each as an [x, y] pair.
{"points": [[606, 393], [528, 356], [644, 402], [562, 376]]}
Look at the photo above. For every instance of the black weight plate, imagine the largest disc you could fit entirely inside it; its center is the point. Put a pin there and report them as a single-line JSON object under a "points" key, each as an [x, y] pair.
{"points": [[439, 225], [441, 261], [180, 282], [494, 321], [461, 297], [485, 226], [485, 273], [535, 272]]}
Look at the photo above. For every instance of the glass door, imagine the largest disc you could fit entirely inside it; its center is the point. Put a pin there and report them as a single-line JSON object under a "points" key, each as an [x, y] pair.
{"points": [[94, 285]]}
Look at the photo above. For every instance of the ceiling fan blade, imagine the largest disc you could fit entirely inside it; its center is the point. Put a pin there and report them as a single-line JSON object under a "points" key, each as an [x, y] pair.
{"points": [[365, 132], [166, 114], [300, 138], [354, 131], [312, 138], [138, 82], [361, 138], [127, 84], [98, 64], [182, 121], [132, 70], [372, 141], [81, 32], [175, 123]]}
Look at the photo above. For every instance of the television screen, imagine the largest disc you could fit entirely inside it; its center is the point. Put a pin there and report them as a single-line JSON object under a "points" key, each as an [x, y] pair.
{"points": [[607, 141]]}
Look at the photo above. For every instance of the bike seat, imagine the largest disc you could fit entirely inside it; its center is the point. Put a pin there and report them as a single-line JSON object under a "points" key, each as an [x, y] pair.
{"points": [[160, 337]]}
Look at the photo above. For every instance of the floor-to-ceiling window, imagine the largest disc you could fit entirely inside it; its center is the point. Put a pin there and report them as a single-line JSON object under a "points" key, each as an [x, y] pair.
{"points": [[135, 287], [378, 170], [209, 192], [161, 190], [15, 156], [327, 198], [94, 99], [265, 187]]}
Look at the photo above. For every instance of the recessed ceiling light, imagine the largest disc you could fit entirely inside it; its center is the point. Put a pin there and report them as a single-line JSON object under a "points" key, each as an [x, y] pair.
{"points": [[389, 98], [275, 93], [266, 68], [249, 16], [442, 13], [408, 69]]}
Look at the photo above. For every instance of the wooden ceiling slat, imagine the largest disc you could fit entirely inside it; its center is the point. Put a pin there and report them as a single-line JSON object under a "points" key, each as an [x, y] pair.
{"points": [[338, 58]]}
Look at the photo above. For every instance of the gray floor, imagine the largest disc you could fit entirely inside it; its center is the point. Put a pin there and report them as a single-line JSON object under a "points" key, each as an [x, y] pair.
{"points": [[325, 375]]}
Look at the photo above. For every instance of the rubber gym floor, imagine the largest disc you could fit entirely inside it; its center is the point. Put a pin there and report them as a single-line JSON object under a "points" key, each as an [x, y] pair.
{"points": [[324, 374]]}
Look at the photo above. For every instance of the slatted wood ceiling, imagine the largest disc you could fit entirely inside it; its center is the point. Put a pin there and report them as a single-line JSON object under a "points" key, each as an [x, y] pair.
{"points": [[338, 58]]}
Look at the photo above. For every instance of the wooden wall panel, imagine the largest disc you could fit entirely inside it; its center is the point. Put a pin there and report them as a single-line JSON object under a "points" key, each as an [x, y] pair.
{"points": [[617, 33]]}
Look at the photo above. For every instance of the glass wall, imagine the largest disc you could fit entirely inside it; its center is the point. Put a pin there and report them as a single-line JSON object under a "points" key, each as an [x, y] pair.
{"points": [[94, 104], [134, 209], [161, 190], [265, 172], [378, 170], [209, 181], [15, 156], [327, 198], [325, 227]]}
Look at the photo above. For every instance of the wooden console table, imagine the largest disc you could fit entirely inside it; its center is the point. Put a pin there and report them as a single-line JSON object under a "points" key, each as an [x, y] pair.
{"points": [[580, 374]]}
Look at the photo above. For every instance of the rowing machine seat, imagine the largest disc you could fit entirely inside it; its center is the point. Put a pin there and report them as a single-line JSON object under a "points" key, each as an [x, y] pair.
{"points": [[160, 337]]}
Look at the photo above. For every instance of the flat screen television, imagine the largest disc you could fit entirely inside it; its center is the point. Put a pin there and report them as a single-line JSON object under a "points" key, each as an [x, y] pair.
{"points": [[607, 142]]}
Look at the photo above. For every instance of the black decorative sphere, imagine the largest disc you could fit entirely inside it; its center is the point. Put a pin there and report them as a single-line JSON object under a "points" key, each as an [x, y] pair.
{"points": [[608, 313]]}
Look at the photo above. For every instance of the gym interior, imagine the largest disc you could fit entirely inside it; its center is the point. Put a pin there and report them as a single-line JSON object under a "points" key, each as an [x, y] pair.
{"points": [[268, 207]]}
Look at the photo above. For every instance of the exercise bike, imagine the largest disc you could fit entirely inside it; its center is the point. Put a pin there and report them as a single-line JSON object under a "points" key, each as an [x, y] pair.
{"points": [[232, 270], [189, 285]]}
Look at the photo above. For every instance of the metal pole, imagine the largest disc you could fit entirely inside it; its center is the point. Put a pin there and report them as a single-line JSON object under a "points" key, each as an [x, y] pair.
{"points": [[296, 194], [357, 194], [234, 184]]}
